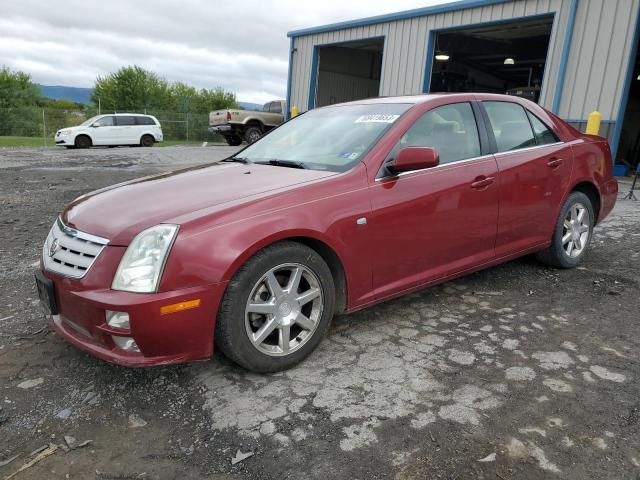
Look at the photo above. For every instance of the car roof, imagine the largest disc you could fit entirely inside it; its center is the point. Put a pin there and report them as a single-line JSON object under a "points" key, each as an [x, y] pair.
{"points": [[416, 99], [127, 114]]}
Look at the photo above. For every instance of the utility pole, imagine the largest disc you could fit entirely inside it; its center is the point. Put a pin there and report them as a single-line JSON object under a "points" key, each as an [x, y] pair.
{"points": [[98, 105], [44, 129]]}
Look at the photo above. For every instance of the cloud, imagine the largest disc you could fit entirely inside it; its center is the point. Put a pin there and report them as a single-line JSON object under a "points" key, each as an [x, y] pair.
{"points": [[240, 46]]}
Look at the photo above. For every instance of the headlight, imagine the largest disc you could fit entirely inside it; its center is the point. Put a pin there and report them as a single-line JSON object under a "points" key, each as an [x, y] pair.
{"points": [[141, 266]]}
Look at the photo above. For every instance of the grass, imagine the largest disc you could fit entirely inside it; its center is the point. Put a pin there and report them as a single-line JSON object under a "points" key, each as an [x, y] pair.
{"points": [[25, 142], [30, 142]]}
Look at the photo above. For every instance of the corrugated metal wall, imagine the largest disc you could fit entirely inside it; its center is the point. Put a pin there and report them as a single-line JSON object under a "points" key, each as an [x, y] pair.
{"points": [[595, 72], [600, 51]]}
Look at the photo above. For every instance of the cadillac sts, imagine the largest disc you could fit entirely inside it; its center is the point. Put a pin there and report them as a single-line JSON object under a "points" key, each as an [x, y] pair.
{"points": [[336, 210]]}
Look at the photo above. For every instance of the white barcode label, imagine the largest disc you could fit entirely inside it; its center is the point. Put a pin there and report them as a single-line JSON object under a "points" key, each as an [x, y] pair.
{"points": [[381, 118]]}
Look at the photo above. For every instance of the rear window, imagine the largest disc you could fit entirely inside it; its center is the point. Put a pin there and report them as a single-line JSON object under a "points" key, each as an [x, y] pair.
{"points": [[145, 121], [275, 107], [510, 125], [126, 120]]}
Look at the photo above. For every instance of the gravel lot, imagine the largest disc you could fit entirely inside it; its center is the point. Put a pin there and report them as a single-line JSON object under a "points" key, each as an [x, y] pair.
{"points": [[532, 369]]}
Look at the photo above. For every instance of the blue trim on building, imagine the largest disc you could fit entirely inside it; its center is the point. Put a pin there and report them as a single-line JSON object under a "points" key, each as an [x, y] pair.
{"points": [[314, 78], [562, 71], [391, 17], [287, 114], [428, 66], [426, 82], [626, 89]]}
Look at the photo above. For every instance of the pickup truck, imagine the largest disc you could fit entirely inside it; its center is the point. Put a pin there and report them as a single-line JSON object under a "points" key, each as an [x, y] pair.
{"points": [[238, 125]]}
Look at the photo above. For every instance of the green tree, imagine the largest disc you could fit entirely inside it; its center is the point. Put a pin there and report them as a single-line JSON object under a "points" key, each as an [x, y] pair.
{"points": [[18, 97], [216, 99], [131, 88], [17, 89]]}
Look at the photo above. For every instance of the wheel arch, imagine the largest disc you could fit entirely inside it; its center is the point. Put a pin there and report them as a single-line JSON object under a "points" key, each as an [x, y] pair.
{"points": [[254, 122], [83, 134], [317, 242], [591, 190]]}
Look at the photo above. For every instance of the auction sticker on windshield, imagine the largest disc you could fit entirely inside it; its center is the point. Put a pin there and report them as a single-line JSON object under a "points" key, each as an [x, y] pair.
{"points": [[380, 118]]}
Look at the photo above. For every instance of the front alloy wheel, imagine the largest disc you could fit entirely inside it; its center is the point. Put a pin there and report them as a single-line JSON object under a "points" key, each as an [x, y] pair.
{"points": [[276, 308], [283, 309]]}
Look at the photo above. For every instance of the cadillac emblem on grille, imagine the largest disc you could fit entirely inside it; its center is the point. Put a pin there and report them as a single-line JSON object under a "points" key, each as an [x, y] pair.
{"points": [[54, 247]]}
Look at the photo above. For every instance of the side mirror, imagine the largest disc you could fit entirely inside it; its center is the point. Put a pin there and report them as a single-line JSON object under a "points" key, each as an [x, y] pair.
{"points": [[415, 158], [95, 125]]}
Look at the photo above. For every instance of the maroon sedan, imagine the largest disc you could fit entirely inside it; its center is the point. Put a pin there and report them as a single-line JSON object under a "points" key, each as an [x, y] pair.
{"points": [[338, 209]]}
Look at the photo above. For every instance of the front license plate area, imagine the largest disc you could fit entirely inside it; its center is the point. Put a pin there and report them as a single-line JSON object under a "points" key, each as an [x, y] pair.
{"points": [[46, 292]]}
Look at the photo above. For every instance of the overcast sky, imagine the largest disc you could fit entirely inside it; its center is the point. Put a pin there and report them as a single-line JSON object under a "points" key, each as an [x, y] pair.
{"points": [[239, 45]]}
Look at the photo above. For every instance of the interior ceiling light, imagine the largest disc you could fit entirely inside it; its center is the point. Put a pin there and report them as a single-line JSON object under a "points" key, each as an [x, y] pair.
{"points": [[442, 57], [509, 61]]}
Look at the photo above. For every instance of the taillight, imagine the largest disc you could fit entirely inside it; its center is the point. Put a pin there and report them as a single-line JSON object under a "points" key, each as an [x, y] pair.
{"points": [[228, 116]]}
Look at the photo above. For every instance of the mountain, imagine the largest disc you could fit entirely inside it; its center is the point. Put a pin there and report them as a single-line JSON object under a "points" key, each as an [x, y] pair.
{"points": [[82, 95], [74, 94]]}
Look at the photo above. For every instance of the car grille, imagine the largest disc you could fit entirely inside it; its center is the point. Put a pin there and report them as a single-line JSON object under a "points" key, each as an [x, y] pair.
{"points": [[69, 252]]}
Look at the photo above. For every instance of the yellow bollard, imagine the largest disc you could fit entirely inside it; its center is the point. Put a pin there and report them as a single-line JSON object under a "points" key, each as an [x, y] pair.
{"points": [[593, 124], [294, 111]]}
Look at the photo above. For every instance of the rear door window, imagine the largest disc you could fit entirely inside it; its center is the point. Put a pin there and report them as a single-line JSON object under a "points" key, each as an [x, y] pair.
{"points": [[510, 126], [544, 135], [145, 121], [450, 129], [126, 120]]}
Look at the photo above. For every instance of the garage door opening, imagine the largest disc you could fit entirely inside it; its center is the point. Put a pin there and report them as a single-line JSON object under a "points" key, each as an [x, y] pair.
{"points": [[629, 144], [499, 58], [349, 71]]}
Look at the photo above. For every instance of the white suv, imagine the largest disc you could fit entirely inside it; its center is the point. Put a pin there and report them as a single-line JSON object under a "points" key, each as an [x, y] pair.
{"points": [[115, 129]]}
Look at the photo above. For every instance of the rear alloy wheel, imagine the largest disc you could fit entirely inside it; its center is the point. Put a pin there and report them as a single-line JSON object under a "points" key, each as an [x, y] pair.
{"points": [[572, 234], [277, 308], [82, 141], [147, 141], [252, 135]]}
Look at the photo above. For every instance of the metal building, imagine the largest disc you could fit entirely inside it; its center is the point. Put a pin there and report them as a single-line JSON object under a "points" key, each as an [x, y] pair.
{"points": [[571, 56]]}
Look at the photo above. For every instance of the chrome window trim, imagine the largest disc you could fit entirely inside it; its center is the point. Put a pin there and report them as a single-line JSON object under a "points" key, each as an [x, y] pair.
{"points": [[465, 160], [81, 235], [482, 157], [535, 147]]}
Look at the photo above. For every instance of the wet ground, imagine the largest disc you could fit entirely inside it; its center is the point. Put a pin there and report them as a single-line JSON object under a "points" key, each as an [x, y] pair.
{"points": [[519, 371]]}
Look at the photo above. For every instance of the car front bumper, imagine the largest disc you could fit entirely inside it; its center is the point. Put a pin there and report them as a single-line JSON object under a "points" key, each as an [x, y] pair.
{"points": [[177, 337]]}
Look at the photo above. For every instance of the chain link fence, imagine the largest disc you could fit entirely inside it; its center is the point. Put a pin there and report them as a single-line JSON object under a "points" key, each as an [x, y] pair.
{"points": [[43, 123]]}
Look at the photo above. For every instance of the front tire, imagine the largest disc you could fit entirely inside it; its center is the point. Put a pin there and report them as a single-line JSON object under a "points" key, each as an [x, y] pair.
{"points": [[82, 141], [277, 308], [572, 234]]}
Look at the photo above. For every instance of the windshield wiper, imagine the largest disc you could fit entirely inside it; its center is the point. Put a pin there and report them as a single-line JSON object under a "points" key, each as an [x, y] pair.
{"points": [[284, 163], [237, 159]]}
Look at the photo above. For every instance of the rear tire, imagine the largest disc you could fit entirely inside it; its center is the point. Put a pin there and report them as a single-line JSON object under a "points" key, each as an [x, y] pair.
{"points": [[233, 141], [572, 234], [297, 311], [82, 141], [252, 135], [147, 141]]}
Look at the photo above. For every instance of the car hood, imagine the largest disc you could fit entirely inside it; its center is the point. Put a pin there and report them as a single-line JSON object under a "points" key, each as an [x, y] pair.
{"points": [[120, 212]]}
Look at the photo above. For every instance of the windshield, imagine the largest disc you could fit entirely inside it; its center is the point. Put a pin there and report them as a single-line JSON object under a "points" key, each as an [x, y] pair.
{"points": [[330, 138], [86, 123]]}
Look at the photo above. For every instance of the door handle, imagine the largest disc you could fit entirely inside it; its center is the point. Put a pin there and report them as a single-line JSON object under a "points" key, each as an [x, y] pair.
{"points": [[482, 182], [554, 162]]}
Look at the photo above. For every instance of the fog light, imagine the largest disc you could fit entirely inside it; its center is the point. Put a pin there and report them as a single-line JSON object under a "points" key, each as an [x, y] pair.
{"points": [[125, 343], [118, 319]]}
